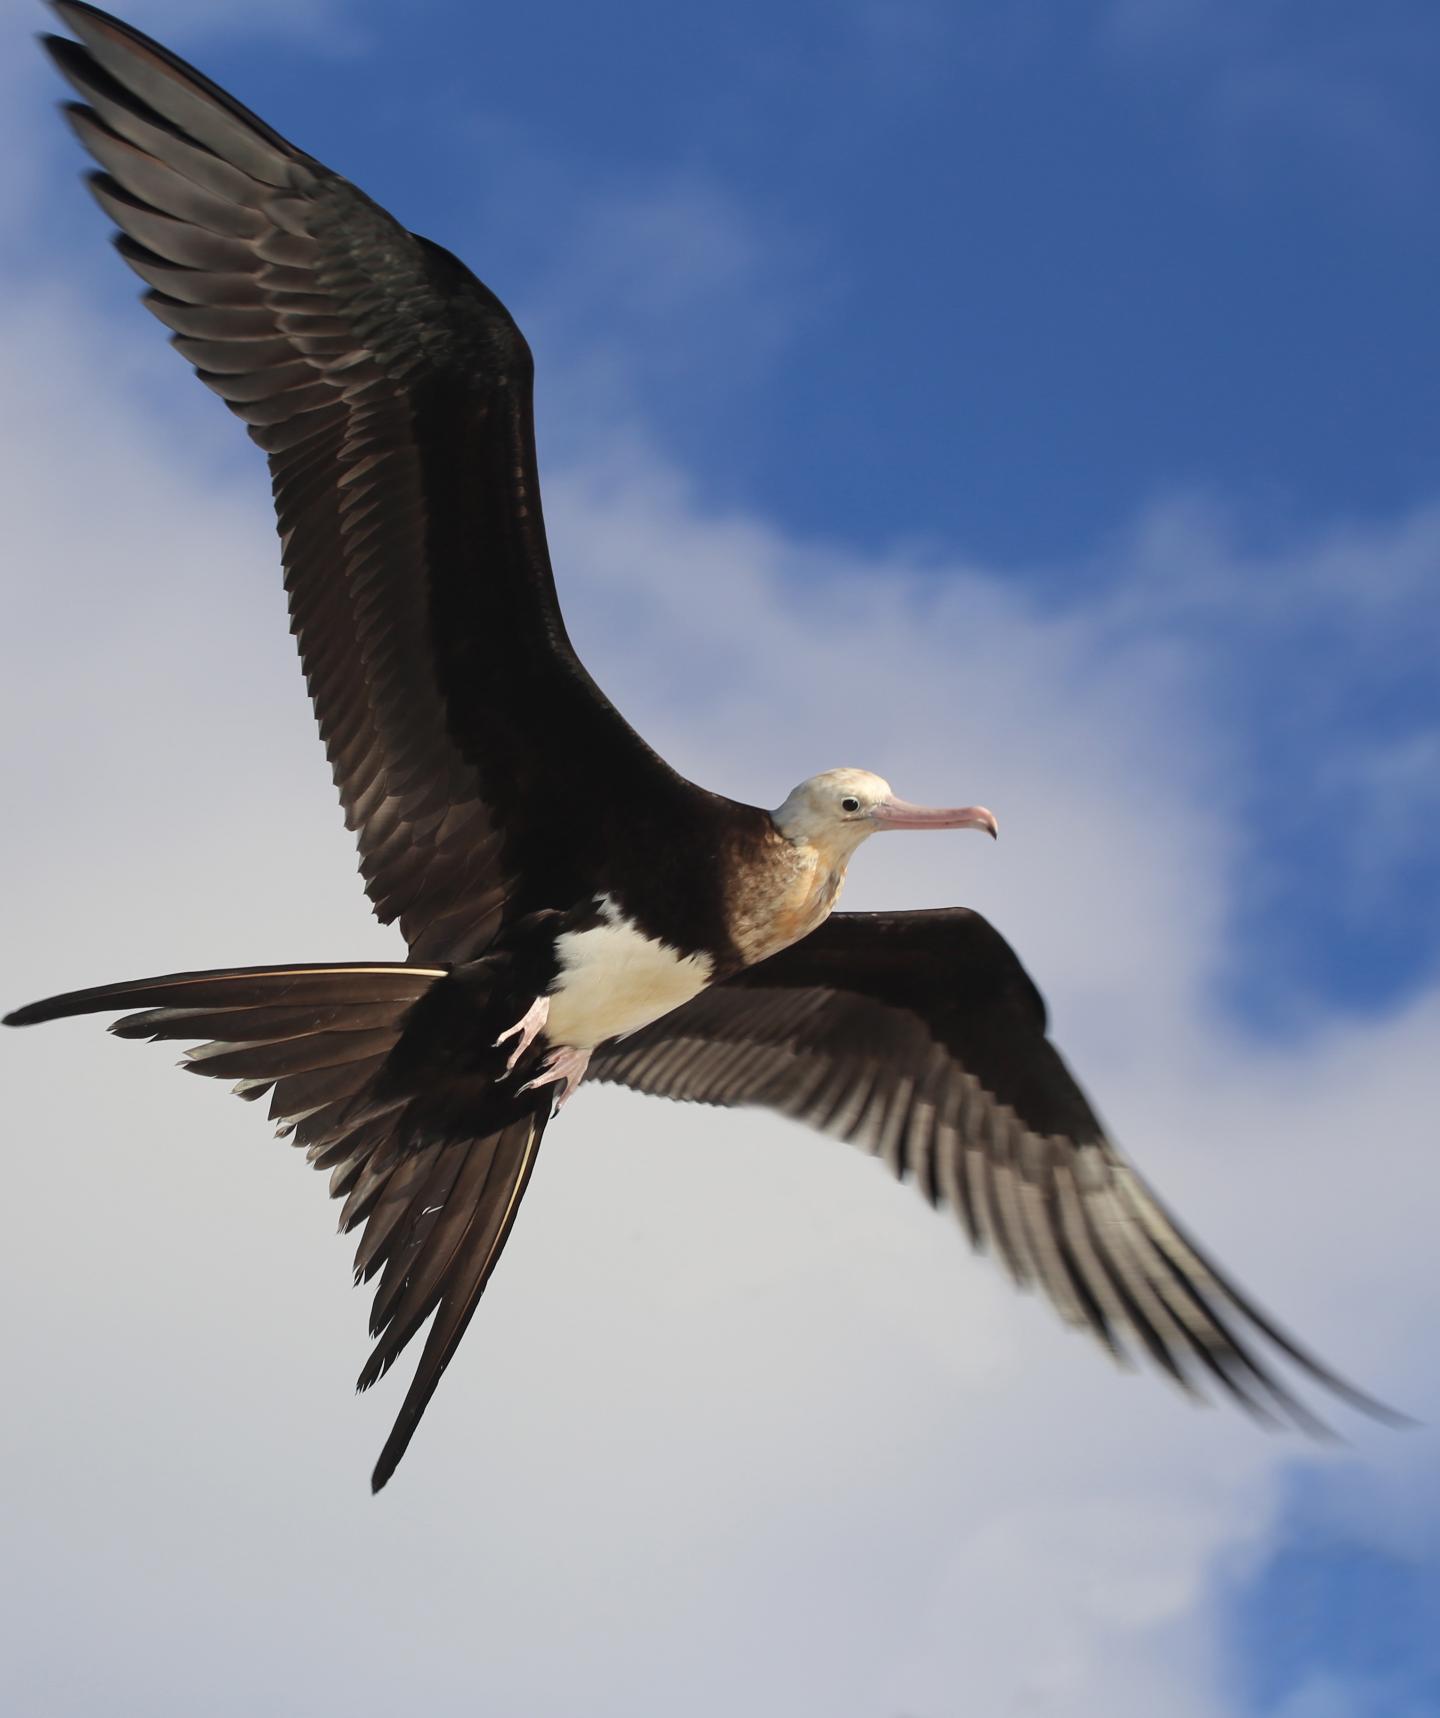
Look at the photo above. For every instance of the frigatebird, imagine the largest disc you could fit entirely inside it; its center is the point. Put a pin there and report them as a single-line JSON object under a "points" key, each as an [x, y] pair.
{"points": [[572, 907]]}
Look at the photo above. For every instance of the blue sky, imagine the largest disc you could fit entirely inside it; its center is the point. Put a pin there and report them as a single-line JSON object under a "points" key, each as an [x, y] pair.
{"points": [[1334, 1621], [1097, 342]]}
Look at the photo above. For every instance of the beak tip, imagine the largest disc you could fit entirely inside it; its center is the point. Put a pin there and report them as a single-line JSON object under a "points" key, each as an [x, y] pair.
{"points": [[900, 814]]}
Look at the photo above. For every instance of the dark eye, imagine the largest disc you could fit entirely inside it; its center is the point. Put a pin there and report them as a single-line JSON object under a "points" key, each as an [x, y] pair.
{"points": [[849, 803]]}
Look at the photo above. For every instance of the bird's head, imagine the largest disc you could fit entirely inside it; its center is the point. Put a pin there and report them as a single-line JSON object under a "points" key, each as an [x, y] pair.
{"points": [[837, 810]]}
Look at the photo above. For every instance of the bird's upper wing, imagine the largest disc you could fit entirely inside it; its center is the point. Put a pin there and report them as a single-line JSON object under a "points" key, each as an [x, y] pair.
{"points": [[391, 391], [920, 1037]]}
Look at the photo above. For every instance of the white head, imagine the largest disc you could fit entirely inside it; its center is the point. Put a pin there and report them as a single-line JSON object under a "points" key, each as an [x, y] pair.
{"points": [[837, 810]]}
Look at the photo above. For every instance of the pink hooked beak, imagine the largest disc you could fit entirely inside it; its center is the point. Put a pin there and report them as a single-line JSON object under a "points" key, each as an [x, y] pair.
{"points": [[900, 814]]}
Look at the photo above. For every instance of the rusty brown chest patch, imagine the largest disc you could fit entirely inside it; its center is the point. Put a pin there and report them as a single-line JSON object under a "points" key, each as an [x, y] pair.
{"points": [[780, 894]]}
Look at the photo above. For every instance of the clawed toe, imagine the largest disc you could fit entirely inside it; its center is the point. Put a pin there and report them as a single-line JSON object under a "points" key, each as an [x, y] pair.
{"points": [[527, 1028], [564, 1067]]}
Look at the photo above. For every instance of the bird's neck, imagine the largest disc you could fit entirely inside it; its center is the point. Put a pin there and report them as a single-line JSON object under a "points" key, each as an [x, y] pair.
{"points": [[782, 892]]}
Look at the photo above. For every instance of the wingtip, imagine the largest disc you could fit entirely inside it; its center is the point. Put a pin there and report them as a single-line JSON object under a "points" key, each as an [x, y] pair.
{"points": [[1340, 1387], [74, 14], [66, 9], [1344, 1391], [1383, 1414]]}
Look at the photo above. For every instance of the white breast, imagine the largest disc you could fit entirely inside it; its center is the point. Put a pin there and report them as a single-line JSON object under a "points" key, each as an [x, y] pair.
{"points": [[613, 980]]}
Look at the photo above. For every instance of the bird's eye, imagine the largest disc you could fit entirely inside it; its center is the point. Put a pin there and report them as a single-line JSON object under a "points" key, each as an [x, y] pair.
{"points": [[849, 803]]}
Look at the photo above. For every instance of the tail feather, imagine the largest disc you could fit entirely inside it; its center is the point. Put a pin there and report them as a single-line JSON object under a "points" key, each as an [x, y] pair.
{"points": [[314, 1037], [271, 1022], [264, 987], [376, 1196], [233, 1057], [510, 1158]]}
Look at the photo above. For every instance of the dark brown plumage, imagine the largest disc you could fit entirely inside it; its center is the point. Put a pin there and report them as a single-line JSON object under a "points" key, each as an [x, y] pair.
{"points": [[512, 824]]}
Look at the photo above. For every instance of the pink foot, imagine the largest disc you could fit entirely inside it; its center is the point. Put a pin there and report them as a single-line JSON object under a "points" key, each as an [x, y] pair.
{"points": [[527, 1028], [564, 1067]]}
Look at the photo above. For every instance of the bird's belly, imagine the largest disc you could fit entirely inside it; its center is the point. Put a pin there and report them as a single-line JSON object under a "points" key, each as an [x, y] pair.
{"points": [[613, 979]]}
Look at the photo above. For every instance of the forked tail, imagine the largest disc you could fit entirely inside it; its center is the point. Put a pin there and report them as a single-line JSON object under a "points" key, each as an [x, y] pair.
{"points": [[428, 1152]]}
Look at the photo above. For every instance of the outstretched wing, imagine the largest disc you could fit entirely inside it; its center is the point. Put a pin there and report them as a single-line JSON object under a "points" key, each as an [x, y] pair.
{"points": [[434, 1195], [920, 1037], [391, 391]]}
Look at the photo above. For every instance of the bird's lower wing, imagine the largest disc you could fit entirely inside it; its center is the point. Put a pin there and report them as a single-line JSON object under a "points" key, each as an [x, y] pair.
{"points": [[920, 1038]]}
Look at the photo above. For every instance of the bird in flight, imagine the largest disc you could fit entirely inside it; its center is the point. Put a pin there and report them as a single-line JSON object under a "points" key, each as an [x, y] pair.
{"points": [[573, 908]]}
